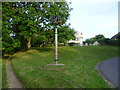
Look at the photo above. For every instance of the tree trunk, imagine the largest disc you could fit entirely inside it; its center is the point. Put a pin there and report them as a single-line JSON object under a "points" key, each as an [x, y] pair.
{"points": [[29, 43], [23, 43]]}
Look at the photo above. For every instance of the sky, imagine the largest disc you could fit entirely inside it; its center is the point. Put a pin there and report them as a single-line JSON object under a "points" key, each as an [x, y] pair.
{"points": [[93, 17]]}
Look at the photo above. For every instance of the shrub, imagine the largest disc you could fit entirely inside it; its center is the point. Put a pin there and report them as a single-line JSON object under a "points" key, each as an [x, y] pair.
{"points": [[72, 44]]}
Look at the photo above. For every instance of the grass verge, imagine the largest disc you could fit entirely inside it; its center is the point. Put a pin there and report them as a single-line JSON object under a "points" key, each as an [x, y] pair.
{"points": [[78, 72], [4, 77]]}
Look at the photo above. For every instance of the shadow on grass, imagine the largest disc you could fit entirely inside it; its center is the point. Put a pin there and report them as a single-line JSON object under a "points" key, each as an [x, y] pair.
{"points": [[40, 49], [43, 49], [5, 57]]}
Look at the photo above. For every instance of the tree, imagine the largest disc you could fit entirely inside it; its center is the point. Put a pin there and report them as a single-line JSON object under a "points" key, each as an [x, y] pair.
{"points": [[23, 21], [9, 44], [103, 41], [65, 33], [100, 38]]}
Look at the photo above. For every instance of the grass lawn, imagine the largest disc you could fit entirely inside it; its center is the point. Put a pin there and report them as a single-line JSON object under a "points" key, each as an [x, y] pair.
{"points": [[78, 72], [4, 79], [0, 73]]}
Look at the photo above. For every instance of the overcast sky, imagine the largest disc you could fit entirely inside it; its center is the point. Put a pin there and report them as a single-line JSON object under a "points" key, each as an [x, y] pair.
{"points": [[93, 17]]}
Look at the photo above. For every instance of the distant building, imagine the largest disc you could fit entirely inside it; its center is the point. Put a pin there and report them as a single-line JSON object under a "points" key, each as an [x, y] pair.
{"points": [[90, 44], [116, 36], [79, 39], [86, 44], [96, 43]]}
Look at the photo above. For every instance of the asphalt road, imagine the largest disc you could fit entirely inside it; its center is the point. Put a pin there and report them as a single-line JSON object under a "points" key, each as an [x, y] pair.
{"points": [[109, 71]]}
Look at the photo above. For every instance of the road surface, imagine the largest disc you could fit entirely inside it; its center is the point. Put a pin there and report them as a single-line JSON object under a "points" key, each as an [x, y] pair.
{"points": [[109, 71]]}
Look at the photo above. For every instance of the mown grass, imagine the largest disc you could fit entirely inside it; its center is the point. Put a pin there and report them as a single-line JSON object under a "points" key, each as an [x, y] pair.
{"points": [[78, 72], [4, 78], [0, 73]]}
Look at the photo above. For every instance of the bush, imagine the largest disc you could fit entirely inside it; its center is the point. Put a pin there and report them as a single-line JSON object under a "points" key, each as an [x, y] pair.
{"points": [[71, 44], [114, 42], [109, 42], [9, 50]]}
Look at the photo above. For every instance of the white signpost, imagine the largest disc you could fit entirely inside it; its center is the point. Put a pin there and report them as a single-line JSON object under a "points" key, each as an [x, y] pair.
{"points": [[56, 22]]}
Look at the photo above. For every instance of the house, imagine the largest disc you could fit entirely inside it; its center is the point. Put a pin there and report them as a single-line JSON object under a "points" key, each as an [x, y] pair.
{"points": [[86, 44], [96, 43], [116, 36], [79, 39]]}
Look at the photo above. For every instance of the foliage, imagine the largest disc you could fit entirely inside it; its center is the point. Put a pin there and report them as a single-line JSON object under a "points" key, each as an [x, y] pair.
{"points": [[65, 33], [27, 24], [72, 44], [103, 41], [114, 42], [99, 37]]}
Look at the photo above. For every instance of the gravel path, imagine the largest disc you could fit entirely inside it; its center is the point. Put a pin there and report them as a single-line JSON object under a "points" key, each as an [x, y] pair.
{"points": [[12, 80]]}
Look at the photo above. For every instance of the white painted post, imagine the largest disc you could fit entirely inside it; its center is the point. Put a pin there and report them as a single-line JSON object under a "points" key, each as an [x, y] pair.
{"points": [[56, 47], [56, 44]]}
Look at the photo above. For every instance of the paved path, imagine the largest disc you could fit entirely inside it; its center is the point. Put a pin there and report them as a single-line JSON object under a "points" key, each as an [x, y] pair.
{"points": [[13, 82], [109, 70]]}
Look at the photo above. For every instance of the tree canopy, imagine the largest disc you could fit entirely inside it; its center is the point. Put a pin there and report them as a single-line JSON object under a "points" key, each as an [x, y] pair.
{"points": [[103, 41], [27, 24], [99, 37]]}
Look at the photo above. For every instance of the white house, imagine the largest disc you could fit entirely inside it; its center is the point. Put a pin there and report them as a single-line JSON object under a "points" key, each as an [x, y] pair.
{"points": [[79, 39], [96, 43]]}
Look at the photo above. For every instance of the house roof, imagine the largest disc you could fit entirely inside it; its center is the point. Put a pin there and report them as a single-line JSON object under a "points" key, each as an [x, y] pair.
{"points": [[96, 43], [115, 36]]}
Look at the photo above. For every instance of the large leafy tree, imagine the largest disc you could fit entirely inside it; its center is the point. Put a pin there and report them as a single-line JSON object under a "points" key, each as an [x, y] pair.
{"points": [[46, 38], [9, 44], [23, 21], [65, 33]]}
